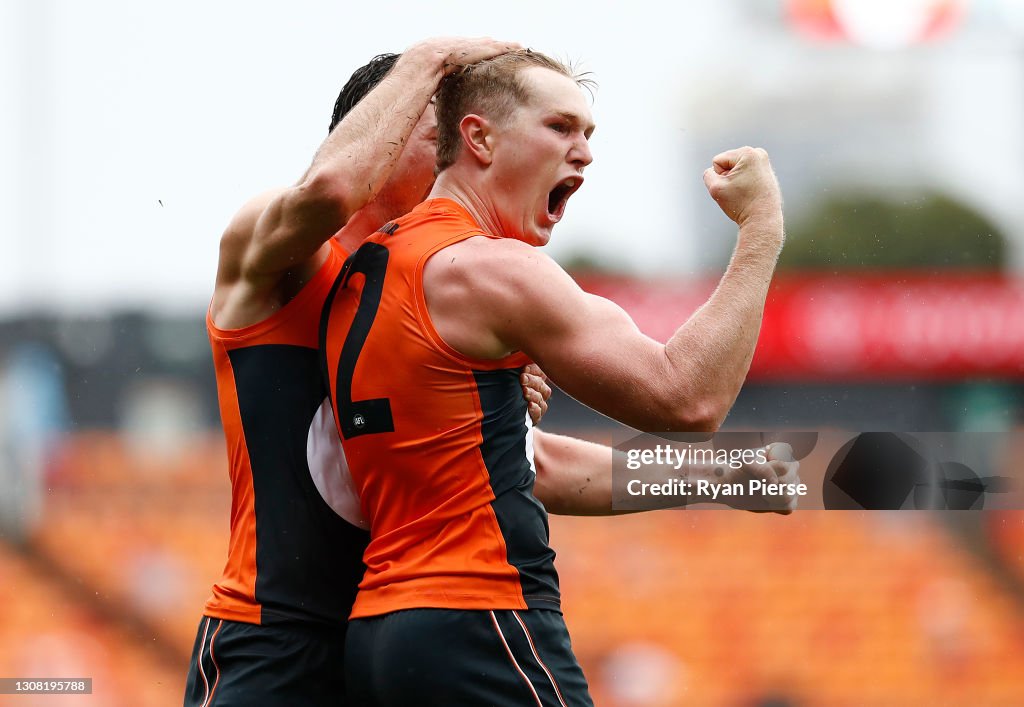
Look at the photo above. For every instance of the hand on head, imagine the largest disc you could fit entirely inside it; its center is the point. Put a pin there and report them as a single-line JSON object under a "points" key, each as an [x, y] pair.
{"points": [[458, 52]]}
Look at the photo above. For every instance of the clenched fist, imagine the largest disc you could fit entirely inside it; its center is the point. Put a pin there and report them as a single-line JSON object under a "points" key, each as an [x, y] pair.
{"points": [[781, 473], [743, 184]]}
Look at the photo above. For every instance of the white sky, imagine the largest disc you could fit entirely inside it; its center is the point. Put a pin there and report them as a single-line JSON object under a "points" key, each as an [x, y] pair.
{"points": [[116, 106], [112, 107]]}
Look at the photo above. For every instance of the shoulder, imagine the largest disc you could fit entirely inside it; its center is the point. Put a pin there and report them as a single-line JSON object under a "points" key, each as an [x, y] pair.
{"points": [[238, 235], [239, 298], [513, 277], [490, 263], [492, 289]]}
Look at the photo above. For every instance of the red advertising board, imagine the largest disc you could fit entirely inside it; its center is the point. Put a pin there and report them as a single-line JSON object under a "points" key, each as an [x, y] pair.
{"points": [[866, 327]]}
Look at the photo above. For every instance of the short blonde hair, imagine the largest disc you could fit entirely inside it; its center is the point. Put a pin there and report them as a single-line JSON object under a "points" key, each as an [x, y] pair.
{"points": [[491, 88]]}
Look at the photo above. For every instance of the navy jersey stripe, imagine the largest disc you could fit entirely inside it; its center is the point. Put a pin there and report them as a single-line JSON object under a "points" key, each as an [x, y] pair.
{"points": [[322, 330], [308, 559], [521, 517]]}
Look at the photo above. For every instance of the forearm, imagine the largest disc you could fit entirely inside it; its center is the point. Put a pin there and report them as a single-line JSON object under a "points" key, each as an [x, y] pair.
{"points": [[359, 155], [576, 478], [350, 168], [712, 351]]}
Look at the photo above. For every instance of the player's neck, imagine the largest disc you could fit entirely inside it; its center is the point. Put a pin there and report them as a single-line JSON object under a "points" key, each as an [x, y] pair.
{"points": [[451, 185]]}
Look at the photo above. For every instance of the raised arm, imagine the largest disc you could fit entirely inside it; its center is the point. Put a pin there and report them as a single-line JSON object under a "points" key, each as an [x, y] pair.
{"points": [[281, 231], [490, 297]]}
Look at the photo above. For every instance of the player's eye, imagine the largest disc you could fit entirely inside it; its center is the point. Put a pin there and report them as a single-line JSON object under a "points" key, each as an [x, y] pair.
{"points": [[559, 127]]}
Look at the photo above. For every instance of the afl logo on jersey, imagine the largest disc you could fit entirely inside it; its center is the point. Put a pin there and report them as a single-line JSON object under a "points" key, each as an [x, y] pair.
{"points": [[359, 421]]}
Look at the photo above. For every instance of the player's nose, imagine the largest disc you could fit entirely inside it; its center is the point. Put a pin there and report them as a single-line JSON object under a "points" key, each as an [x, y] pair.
{"points": [[580, 154]]}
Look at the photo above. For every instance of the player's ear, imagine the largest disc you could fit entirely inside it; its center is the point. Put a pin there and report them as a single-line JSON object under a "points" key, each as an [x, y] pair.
{"points": [[477, 137]]}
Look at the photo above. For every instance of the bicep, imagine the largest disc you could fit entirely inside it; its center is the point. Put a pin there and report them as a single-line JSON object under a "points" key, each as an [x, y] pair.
{"points": [[242, 238], [591, 349], [293, 225], [487, 299], [243, 293], [235, 246], [276, 236]]}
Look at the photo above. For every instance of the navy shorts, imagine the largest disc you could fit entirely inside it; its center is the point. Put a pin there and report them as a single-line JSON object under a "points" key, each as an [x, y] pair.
{"points": [[457, 657], [277, 665]]}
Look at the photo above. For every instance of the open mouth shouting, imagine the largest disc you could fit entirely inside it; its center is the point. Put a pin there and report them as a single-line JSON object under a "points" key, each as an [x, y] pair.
{"points": [[559, 196]]}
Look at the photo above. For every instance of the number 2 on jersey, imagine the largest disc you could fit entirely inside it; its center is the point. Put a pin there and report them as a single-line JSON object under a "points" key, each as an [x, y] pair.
{"points": [[362, 417]]}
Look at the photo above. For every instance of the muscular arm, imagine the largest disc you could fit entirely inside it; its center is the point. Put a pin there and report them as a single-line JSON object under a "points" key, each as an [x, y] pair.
{"points": [[574, 477], [490, 297], [281, 232], [592, 349]]}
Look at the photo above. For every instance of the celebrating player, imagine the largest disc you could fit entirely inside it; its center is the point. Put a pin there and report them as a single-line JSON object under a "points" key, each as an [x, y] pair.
{"points": [[273, 631], [431, 321]]}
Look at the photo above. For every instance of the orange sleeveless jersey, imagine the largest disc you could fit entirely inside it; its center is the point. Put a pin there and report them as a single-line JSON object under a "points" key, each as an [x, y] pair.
{"points": [[292, 555], [437, 443]]}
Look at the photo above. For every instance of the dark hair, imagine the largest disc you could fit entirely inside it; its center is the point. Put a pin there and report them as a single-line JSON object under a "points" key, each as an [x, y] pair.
{"points": [[363, 80], [491, 87]]}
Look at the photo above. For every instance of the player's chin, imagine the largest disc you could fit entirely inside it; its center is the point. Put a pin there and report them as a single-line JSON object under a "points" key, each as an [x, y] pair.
{"points": [[541, 233], [536, 236]]}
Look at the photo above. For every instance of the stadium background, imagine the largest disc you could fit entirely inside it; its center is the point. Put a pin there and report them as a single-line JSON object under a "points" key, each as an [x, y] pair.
{"points": [[895, 129]]}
